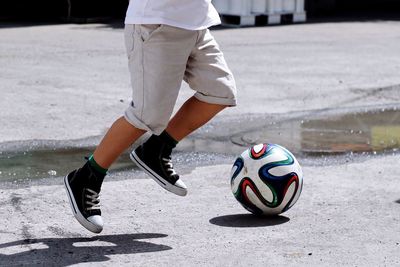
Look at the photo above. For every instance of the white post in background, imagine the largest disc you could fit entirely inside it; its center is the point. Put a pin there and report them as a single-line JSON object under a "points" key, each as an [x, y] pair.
{"points": [[233, 7], [237, 7], [300, 6], [241, 8], [274, 10], [278, 6], [299, 14], [289, 6], [259, 6], [247, 10]]}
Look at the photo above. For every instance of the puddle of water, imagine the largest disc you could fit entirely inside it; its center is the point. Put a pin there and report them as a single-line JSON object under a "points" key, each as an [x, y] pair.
{"points": [[361, 132], [25, 166], [47, 163], [364, 132], [371, 132]]}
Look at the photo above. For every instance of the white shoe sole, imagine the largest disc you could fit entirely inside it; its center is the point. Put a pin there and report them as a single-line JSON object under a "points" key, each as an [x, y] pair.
{"points": [[180, 191], [78, 215]]}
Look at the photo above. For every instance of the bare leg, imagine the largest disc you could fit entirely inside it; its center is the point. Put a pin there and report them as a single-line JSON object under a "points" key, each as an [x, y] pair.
{"points": [[154, 156], [192, 115], [119, 137]]}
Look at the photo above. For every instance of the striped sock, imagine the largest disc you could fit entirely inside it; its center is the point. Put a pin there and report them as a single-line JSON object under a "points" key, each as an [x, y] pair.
{"points": [[96, 166]]}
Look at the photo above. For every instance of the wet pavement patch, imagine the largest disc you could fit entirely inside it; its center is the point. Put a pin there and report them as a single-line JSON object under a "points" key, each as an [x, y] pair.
{"points": [[318, 135], [24, 166], [371, 132], [45, 163], [360, 132]]}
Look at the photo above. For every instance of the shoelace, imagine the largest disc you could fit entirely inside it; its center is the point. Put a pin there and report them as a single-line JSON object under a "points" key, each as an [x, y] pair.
{"points": [[169, 167], [93, 201]]}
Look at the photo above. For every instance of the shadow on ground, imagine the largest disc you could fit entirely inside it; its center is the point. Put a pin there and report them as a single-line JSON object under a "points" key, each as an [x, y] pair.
{"points": [[68, 251], [248, 220]]}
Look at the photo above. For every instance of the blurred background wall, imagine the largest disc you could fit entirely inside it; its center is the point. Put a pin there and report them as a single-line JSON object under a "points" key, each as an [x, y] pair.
{"points": [[87, 10], [62, 9], [331, 7]]}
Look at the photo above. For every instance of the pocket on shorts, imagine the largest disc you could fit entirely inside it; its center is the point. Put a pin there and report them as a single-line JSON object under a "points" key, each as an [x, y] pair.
{"points": [[148, 30], [129, 38]]}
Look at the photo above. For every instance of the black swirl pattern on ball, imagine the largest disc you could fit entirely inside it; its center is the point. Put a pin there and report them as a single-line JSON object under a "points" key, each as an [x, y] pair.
{"points": [[279, 184], [241, 196], [239, 163]]}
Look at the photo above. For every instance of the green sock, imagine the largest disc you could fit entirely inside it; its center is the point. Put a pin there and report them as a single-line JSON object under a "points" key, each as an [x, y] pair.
{"points": [[96, 166]]}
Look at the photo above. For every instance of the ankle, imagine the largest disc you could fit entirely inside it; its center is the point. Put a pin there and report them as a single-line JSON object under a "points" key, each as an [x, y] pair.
{"points": [[100, 171], [166, 138]]}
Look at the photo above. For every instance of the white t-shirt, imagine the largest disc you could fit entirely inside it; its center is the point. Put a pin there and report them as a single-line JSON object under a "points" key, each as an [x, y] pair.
{"points": [[187, 14]]}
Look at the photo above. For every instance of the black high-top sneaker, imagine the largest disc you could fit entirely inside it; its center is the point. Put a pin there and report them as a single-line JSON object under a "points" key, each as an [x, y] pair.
{"points": [[83, 189], [154, 158]]}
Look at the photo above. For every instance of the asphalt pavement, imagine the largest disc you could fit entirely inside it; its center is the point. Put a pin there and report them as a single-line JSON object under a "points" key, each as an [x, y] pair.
{"points": [[66, 84]]}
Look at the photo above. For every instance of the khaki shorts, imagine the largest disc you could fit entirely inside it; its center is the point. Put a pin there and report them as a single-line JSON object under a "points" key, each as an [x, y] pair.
{"points": [[160, 57]]}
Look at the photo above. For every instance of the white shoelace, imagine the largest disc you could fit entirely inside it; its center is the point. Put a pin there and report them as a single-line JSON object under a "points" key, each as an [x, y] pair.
{"points": [[170, 167], [94, 201]]}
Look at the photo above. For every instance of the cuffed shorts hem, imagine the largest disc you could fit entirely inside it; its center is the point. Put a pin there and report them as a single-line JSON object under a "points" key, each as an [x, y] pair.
{"points": [[216, 100], [160, 57], [139, 124]]}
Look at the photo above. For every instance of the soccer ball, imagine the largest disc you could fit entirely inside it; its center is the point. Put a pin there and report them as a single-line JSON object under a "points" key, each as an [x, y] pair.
{"points": [[266, 179]]}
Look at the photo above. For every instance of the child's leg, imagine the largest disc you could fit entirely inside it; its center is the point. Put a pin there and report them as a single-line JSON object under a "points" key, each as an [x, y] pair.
{"points": [[192, 115], [119, 137], [83, 185], [207, 73], [154, 156]]}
